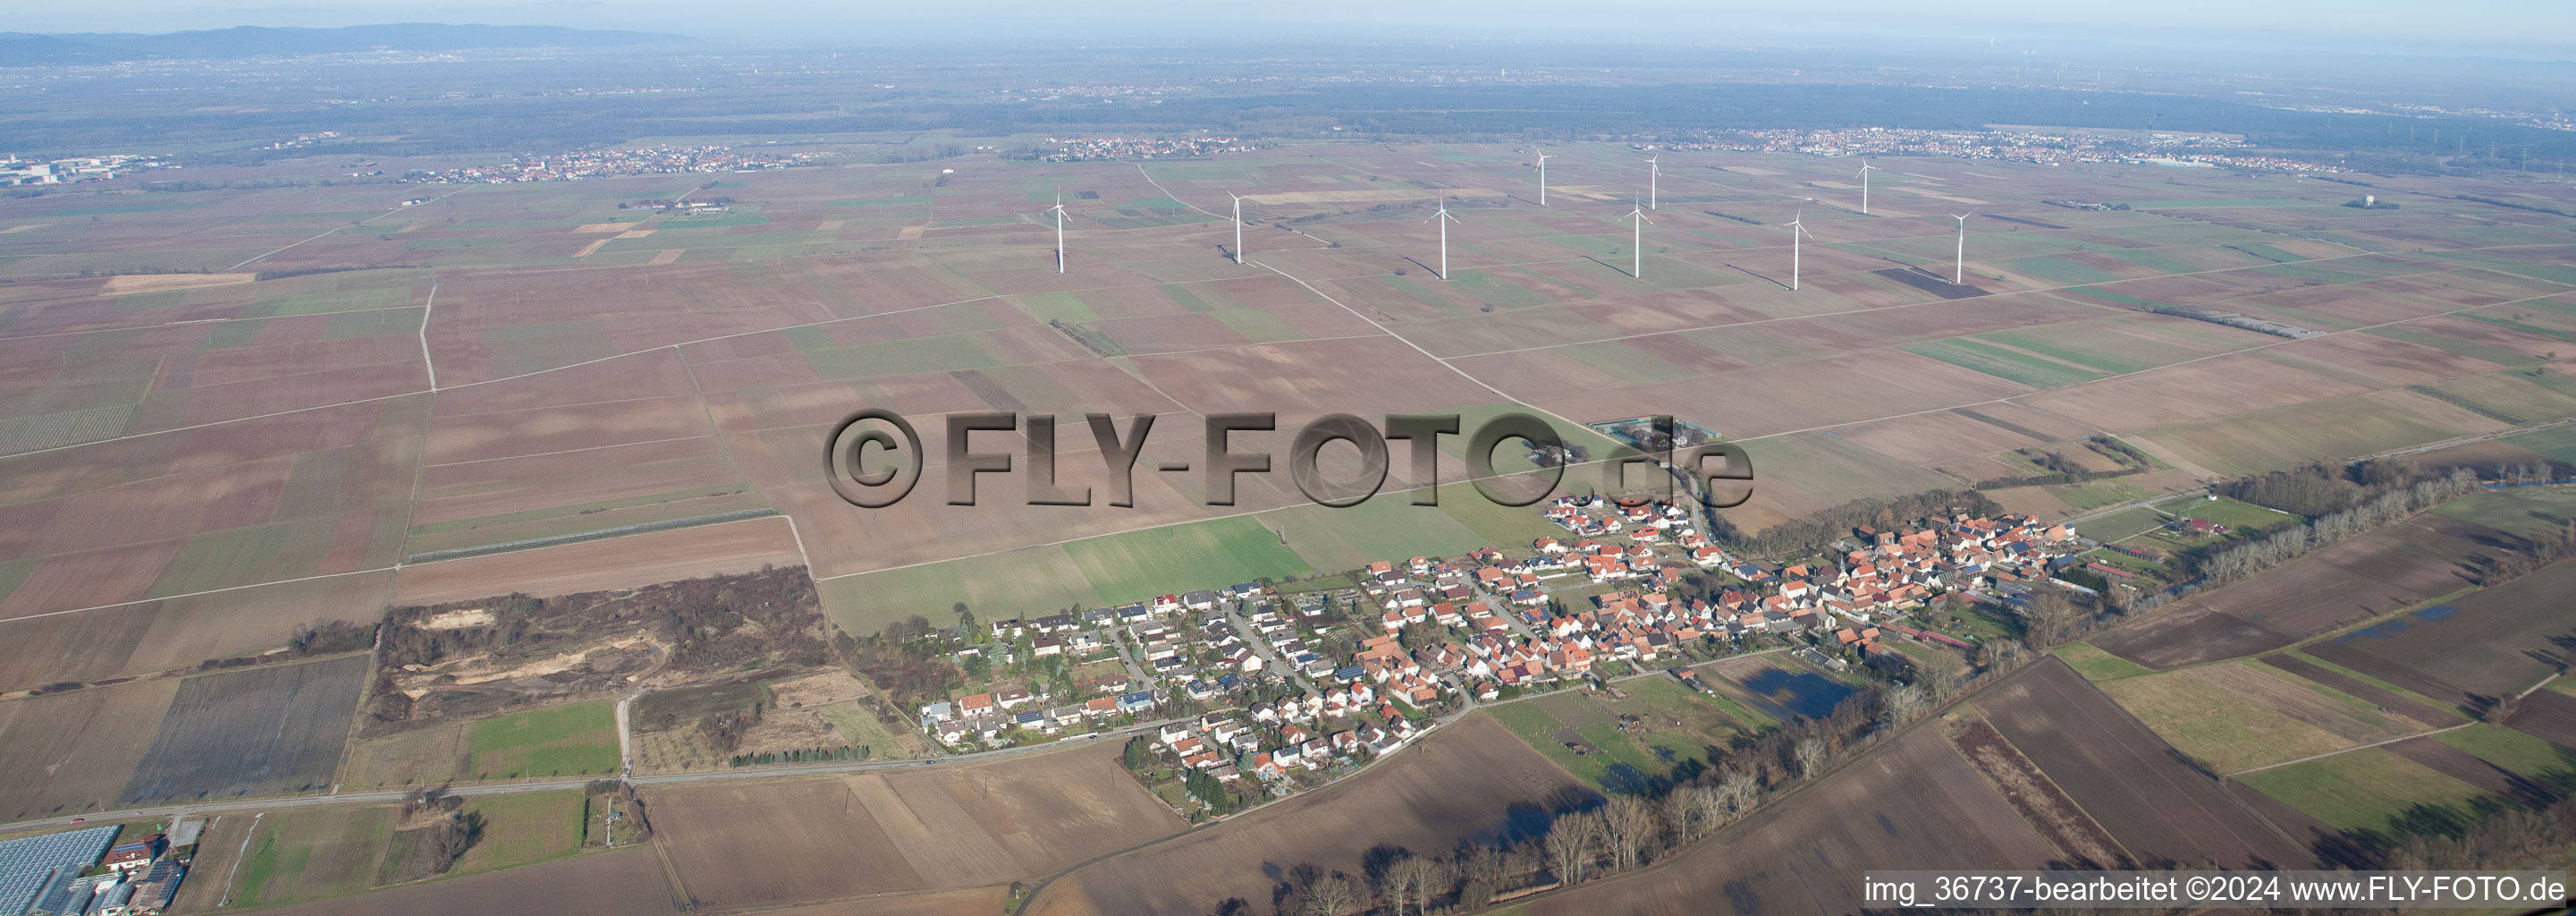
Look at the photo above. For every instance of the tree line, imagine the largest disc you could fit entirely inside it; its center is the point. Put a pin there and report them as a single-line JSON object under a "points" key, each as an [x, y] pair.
{"points": [[1595, 836], [2394, 502], [1814, 533], [802, 755]]}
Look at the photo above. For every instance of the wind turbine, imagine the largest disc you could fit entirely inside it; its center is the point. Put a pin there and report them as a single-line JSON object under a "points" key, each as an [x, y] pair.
{"points": [[1059, 231], [1959, 271], [1797, 229], [1637, 247], [1654, 176], [1444, 219], [1238, 226], [1542, 179], [1865, 169]]}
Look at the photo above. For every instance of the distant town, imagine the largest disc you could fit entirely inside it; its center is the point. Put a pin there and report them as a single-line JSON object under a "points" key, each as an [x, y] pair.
{"points": [[1084, 149], [2044, 147], [1293, 684], [612, 163]]}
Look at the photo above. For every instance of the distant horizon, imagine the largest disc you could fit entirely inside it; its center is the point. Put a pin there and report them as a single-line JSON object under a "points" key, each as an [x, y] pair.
{"points": [[1863, 24]]}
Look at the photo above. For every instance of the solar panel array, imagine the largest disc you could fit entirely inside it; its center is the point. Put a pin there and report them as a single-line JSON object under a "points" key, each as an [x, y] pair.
{"points": [[25, 863]]}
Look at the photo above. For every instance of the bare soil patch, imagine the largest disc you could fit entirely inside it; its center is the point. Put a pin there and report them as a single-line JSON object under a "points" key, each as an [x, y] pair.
{"points": [[2040, 802], [2494, 642], [2341, 585], [130, 284], [1470, 779], [2547, 714], [2429, 716], [940, 828], [2465, 767], [1912, 804], [626, 882], [74, 752], [252, 732], [622, 562], [2158, 806]]}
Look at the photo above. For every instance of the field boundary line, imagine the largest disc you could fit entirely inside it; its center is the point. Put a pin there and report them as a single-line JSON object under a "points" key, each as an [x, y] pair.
{"points": [[425, 361], [568, 451], [713, 520], [226, 899], [211, 591], [2527, 691], [2361, 747], [354, 225], [2192, 764], [2051, 781]]}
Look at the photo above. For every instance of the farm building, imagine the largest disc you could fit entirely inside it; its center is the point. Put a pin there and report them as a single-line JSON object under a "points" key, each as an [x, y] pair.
{"points": [[134, 855]]}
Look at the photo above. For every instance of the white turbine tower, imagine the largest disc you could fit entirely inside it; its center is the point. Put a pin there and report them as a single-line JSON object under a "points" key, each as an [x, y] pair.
{"points": [[1654, 177], [1542, 179], [1797, 229], [1959, 271], [1059, 231], [1238, 226], [1444, 219], [1865, 169], [1637, 246]]}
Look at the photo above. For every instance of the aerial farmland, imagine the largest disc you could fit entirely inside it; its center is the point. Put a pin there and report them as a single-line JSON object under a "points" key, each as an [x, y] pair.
{"points": [[421, 511]]}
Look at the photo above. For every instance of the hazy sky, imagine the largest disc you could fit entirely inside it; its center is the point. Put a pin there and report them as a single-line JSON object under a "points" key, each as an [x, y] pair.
{"points": [[2383, 24]]}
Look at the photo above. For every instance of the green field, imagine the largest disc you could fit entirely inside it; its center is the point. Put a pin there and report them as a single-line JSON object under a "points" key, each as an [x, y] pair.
{"points": [[573, 740], [860, 728], [1138, 565], [2536, 759], [2097, 665], [2101, 493], [308, 855], [246, 556], [2522, 511], [1390, 527], [525, 829], [2094, 345], [2122, 525], [2556, 443], [2373, 790], [2226, 730], [1671, 739], [2013, 365], [2239, 515], [1035, 580]]}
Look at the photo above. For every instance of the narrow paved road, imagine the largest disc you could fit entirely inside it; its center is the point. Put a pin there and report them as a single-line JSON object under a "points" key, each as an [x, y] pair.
{"points": [[1252, 637], [557, 785]]}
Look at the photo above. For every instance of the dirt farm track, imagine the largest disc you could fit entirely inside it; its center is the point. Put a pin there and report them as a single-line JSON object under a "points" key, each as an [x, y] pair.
{"points": [[1469, 779], [932, 828]]}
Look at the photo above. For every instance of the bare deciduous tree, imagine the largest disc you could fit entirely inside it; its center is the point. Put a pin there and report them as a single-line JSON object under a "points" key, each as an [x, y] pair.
{"points": [[1693, 811], [1942, 673], [1811, 757], [1410, 881], [1739, 791], [1333, 895], [1571, 845], [1904, 702], [1629, 828]]}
